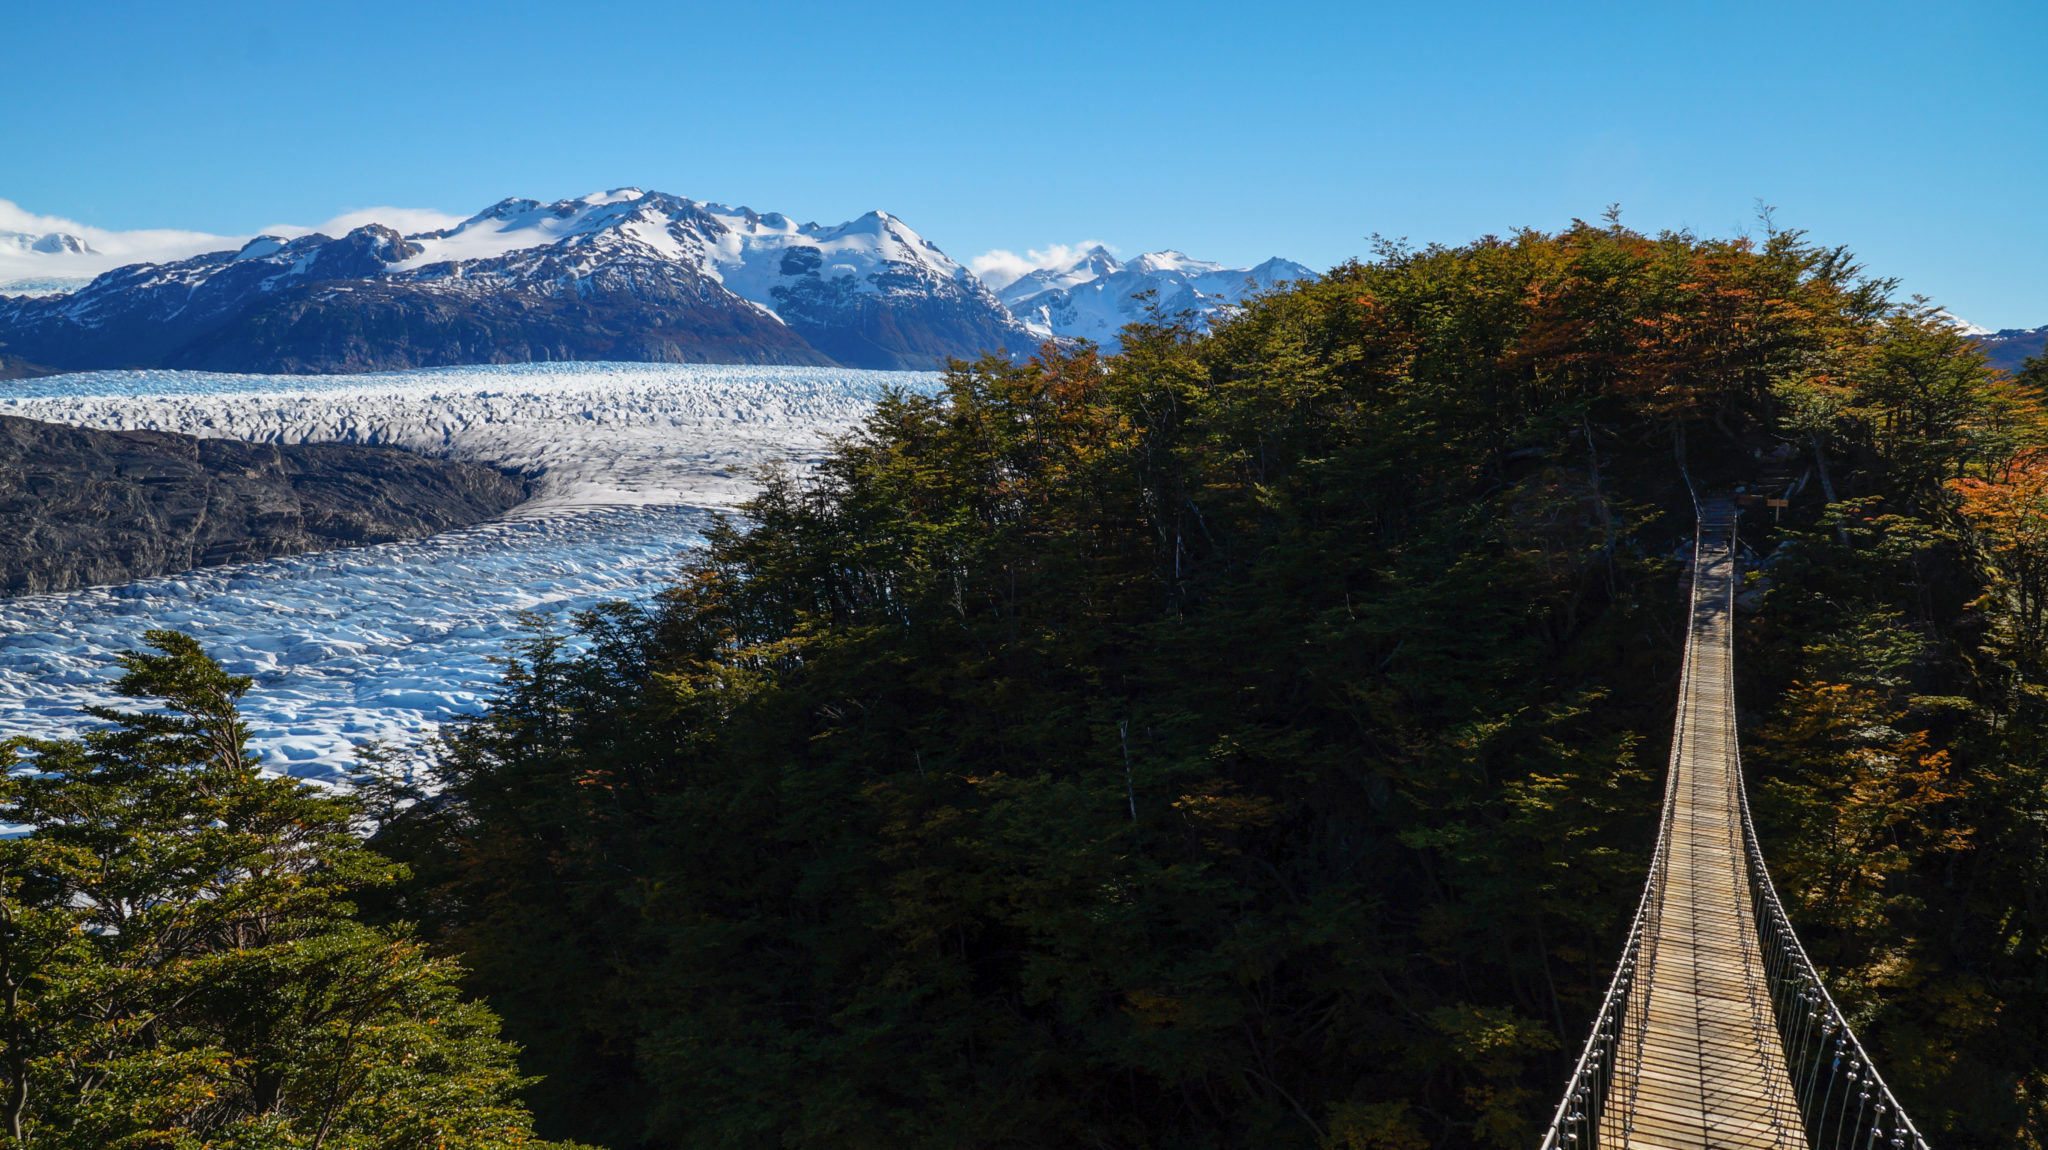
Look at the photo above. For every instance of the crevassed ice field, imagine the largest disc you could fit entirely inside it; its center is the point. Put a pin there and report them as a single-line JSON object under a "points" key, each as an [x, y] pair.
{"points": [[387, 642]]}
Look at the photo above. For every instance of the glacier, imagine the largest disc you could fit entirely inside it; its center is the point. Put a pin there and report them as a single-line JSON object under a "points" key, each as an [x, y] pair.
{"points": [[387, 642]]}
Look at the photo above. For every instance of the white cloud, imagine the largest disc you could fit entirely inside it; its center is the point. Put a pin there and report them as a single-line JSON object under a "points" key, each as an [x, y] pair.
{"points": [[1001, 268], [112, 249], [404, 221]]}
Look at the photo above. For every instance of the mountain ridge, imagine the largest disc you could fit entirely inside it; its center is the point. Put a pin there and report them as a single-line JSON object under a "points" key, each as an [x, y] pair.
{"points": [[2010, 348], [621, 274], [1091, 295]]}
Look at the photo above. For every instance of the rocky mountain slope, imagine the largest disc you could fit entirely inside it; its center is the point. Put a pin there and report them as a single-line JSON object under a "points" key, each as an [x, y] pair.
{"points": [[81, 506], [2012, 346], [12, 367], [1092, 295], [621, 275]]}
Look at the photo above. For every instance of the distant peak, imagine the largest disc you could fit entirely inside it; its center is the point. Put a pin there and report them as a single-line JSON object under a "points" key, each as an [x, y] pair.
{"points": [[63, 243], [1279, 270], [1166, 260], [1962, 325], [505, 209], [259, 247]]}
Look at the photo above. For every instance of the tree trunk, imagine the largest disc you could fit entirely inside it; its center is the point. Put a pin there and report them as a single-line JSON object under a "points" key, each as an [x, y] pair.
{"points": [[1827, 482], [17, 1065], [17, 1101]]}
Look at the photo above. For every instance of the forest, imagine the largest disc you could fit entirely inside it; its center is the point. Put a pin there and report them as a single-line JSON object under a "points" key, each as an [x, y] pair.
{"points": [[1253, 738]]}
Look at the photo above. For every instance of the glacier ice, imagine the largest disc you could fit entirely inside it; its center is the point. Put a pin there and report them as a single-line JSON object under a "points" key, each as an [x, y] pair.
{"points": [[593, 435], [386, 642]]}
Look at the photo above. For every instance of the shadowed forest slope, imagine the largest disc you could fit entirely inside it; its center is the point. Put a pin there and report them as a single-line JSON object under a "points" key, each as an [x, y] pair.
{"points": [[1256, 740]]}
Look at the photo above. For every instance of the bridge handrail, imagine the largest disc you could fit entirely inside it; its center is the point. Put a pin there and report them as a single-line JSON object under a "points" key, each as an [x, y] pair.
{"points": [[1795, 980], [1800, 999]]}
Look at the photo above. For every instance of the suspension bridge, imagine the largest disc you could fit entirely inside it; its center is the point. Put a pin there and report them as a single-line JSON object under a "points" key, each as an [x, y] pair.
{"points": [[1716, 1033]]}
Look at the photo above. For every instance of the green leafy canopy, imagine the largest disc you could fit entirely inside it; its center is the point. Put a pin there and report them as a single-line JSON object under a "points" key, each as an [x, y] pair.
{"points": [[180, 959]]}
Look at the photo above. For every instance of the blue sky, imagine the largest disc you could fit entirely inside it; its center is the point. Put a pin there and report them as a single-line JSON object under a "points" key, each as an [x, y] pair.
{"points": [[1915, 134]]}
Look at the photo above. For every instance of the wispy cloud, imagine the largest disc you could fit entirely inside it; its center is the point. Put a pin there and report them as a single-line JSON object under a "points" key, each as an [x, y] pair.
{"points": [[1001, 268], [405, 221], [111, 249]]}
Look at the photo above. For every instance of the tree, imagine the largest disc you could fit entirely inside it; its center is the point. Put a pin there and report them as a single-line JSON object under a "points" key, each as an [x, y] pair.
{"points": [[2008, 509], [180, 961], [1253, 739]]}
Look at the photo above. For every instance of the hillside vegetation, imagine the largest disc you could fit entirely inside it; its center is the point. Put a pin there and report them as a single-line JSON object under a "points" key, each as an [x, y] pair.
{"points": [[1255, 739], [181, 964]]}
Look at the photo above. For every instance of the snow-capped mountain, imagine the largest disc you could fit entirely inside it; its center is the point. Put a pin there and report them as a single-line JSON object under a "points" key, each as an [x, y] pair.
{"points": [[2011, 347], [48, 243], [1962, 326], [870, 292], [48, 255], [624, 274], [1092, 296], [43, 263]]}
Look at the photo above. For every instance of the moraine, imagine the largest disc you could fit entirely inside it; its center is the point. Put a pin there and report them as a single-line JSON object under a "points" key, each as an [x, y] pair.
{"points": [[386, 642]]}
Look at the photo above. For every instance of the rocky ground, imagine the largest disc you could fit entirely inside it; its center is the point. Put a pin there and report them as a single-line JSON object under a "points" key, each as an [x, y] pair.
{"points": [[80, 507]]}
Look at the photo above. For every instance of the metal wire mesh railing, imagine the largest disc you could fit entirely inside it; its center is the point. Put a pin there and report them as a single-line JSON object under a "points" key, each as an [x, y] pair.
{"points": [[1577, 1124], [1843, 1102]]}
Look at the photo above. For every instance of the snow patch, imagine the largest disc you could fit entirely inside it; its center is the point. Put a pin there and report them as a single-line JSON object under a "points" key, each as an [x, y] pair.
{"points": [[1962, 326]]}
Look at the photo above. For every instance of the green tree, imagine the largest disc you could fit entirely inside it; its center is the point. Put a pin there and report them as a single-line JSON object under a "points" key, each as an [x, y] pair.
{"points": [[1253, 739], [180, 959]]}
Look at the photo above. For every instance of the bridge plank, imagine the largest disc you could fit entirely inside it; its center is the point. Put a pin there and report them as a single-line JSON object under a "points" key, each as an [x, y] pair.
{"points": [[1698, 1065]]}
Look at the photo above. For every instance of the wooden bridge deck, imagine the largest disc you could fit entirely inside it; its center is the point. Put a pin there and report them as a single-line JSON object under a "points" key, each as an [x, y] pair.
{"points": [[1699, 1063]]}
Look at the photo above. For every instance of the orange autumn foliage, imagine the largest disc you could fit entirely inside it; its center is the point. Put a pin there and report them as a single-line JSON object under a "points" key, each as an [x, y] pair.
{"points": [[2010, 514]]}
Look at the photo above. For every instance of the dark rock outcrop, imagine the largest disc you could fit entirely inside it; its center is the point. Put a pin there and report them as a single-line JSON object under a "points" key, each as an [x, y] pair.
{"points": [[14, 367], [80, 506]]}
